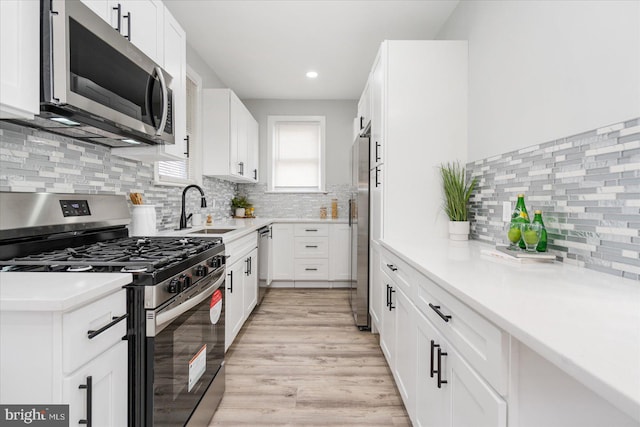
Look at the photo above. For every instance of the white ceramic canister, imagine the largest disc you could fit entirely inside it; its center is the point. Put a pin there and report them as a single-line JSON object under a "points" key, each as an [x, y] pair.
{"points": [[143, 220]]}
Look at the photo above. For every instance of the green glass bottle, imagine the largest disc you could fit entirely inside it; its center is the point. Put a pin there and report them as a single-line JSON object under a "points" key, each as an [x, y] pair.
{"points": [[520, 216], [542, 243]]}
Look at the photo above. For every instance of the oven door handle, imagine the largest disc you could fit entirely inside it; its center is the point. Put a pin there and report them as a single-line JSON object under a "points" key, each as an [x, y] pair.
{"points": [[165, 317]]}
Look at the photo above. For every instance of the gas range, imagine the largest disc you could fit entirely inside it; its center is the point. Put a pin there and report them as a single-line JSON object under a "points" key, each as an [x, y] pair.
{"points": [[175, 281]]}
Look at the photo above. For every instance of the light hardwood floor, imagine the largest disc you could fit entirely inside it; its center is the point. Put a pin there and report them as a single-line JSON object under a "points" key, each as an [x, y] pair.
{"points": [[299, 360]]}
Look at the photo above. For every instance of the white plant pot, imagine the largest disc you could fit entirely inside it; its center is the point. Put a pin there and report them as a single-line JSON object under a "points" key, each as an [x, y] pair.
{"points": [[459, 230], [240, 212]]}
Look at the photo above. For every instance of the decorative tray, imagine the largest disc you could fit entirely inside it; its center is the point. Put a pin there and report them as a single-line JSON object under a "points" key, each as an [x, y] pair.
{"points": [[520, 254]]}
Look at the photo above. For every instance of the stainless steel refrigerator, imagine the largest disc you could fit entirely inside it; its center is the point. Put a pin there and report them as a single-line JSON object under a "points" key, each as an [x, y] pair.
{"points": [[359, 225]]}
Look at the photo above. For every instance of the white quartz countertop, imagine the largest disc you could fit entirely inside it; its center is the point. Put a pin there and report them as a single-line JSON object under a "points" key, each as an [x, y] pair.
{"points": [[242, 226], [585, 322], [33, 291]]}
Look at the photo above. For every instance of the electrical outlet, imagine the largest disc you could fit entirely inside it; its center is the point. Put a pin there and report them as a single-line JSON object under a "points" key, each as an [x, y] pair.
{"points": [[506, 211]]}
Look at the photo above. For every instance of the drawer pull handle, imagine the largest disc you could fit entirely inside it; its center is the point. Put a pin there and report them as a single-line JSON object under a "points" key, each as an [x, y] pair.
{"points": [[392, 267], [311, 229], [391, 292], [440, 380], [89, 387], [443, 316], [433, 347], [94, 333], [311, 246], [311, 269], [230, 288]]}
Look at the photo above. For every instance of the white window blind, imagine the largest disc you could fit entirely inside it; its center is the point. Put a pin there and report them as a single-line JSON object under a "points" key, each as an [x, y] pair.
{"points": [[297, 149]]}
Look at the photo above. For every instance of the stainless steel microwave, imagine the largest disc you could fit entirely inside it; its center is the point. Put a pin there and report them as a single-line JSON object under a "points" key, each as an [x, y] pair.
{"points": [[96, 85]]}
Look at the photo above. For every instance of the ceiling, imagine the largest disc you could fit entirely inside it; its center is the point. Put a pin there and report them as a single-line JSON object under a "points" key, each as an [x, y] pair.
{"points": [[262, 49]]}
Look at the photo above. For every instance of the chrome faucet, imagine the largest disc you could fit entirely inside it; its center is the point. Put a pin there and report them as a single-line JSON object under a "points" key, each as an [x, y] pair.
{"points": [[183, 215]]}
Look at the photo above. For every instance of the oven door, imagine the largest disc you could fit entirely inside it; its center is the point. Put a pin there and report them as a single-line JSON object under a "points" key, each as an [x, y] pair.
{"points": [[185, 351], [99, 78]]}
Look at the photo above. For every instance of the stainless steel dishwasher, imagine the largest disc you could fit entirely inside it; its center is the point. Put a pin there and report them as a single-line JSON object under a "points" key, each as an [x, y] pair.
{"points": [[264, 261]]}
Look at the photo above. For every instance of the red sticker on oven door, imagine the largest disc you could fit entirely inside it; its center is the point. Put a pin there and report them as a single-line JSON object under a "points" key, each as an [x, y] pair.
{"points": [[215, 307]]}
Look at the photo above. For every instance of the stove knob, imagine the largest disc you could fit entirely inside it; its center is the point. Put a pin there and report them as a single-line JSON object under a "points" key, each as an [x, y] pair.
{"points": [[186, 281], [202, 270], [174, 286]]}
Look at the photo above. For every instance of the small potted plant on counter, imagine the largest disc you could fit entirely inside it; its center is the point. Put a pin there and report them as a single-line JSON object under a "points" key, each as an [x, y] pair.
{"points": [[240, 204], [457, 192]]}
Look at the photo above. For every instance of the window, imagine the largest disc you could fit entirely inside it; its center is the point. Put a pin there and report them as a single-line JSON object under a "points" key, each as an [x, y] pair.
{"points": [[296, 153], [182, 172]]}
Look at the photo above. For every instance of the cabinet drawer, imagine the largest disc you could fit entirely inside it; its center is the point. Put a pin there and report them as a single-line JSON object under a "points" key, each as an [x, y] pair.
{"points": [[400, 272], [481, 343], [311, 269], [240, 247], [311, 230], [77, 347], [309, 247]]}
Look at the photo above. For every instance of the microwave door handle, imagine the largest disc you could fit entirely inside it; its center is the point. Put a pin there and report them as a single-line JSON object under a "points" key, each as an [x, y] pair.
{"points": [[163, 318], [165, 98]]}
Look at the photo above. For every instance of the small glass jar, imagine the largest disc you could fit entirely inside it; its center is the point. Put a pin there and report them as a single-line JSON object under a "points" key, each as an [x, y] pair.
{"points": [[323, 212]]}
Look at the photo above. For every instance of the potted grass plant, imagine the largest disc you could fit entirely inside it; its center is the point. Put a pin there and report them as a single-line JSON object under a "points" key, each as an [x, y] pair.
{"points": [[457, 191]]}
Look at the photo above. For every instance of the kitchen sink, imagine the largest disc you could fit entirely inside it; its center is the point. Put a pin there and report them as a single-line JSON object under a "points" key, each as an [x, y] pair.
{"points": [[213, 231]]}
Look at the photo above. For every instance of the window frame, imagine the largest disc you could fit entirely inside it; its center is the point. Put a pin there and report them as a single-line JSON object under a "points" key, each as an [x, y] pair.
{"points": [[272, 120], [195, 141]]}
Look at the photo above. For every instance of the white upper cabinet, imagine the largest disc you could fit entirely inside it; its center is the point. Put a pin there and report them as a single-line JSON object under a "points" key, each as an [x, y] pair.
{"points": [[19, 59], [175, 63], [376, 90], [140, 21], [230, 144], [364, 107]]}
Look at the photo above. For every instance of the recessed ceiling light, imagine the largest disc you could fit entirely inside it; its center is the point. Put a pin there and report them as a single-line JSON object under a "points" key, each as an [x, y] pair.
{"points": [[131, 141], [65, 121], [312, 74]]}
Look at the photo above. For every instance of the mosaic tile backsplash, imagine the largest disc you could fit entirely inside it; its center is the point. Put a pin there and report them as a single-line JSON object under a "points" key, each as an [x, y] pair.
{"points": [[588, 188], [296, 205], [32, 160]]}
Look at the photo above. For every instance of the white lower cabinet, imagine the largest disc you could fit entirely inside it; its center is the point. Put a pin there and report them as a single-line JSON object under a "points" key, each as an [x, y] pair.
{"points": [[282, 250], [234, 310], [438, 386], [404, 370], [250, 282], [241, 284], [311, 255], [104, 375], [376, 293], [449, 392], [47, 356], [388, 330], [340, 253]]}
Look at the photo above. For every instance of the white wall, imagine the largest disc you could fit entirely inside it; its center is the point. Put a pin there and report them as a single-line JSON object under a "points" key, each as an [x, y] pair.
{"points": [[339, 130], [542, 70], [209, 77]]}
